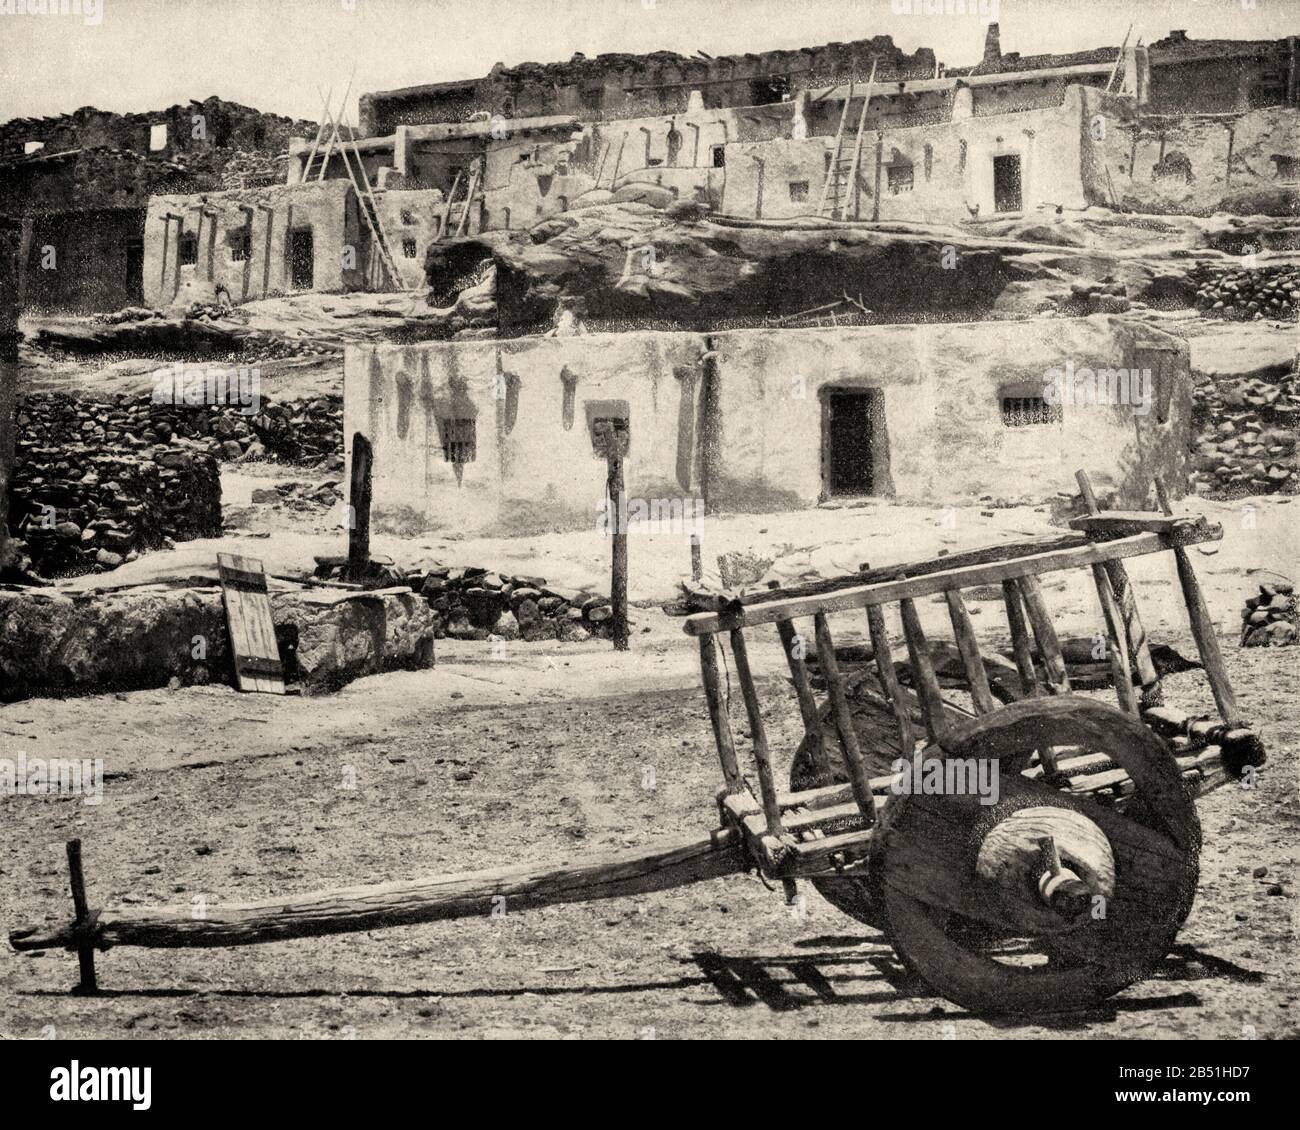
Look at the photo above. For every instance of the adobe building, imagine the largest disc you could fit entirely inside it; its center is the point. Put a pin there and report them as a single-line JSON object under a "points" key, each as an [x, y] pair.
{"points": [[501, 437], [80, 184], [1178, 125]]}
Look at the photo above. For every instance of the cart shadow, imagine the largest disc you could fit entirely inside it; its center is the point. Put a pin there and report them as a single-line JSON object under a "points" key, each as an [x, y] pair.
{"points": [[815, 977]]}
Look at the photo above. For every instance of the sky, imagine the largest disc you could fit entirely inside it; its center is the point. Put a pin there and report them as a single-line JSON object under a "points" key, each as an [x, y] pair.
{"points": [[280, 55]]}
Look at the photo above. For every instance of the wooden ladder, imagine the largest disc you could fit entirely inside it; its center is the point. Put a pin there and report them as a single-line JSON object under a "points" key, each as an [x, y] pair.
{"points": [[839, 187], [366, 202]]}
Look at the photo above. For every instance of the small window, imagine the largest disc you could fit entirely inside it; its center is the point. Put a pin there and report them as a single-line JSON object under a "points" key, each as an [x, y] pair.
{"points": [[33, 146], [798, 191], [1288, 168], [238, 241], [158, 137], [719, 156], [408, 248], [929, 162], [189, 249], [900, 179], [1028, 411], [600, 437], [408, 217], [458, 442]]}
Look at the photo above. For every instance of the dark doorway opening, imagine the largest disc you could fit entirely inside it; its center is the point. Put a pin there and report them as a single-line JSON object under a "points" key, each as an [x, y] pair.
{"points": [[775, 88], [135, 269], [848, 441], [1006, 183], [301, 258]]}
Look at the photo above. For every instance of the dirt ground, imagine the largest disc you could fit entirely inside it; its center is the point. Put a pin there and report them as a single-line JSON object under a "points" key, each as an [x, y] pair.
{"points": [[234, 797]]}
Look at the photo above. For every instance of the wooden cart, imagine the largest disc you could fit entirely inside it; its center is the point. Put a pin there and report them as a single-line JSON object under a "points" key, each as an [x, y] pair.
{"points": [[1066, 885]]}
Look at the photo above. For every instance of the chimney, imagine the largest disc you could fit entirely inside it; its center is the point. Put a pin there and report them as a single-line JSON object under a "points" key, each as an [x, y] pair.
{"points": [[1179, 36], [992, 45]]}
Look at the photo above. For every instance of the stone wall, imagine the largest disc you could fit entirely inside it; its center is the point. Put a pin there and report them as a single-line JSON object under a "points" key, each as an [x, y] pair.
{"points": [[84, 500], [631, 86], [203, 134]]}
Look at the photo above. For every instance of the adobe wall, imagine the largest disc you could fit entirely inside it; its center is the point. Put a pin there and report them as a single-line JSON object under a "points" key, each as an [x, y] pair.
{"points": [[85, 261], [941, 434], [1180, 164], [951, 166], [535, 467], [942, 414], [328, 208]]}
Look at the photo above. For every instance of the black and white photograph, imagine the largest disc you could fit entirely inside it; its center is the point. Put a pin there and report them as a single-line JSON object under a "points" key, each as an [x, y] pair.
{"points": [[650, 520]]}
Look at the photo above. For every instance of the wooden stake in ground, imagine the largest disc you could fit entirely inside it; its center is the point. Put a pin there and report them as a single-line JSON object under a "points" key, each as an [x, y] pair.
{"points": [[84, 923], [363, 458], [618, 531]]}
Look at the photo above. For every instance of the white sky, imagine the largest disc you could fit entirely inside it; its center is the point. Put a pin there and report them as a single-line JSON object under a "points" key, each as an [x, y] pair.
{"points": [[273, 54]]}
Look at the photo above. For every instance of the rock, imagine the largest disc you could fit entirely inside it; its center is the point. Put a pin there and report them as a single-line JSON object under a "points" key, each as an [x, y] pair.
{"points": [[136, 639]]}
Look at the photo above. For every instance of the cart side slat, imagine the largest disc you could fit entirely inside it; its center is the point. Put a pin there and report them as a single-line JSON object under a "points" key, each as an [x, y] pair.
{"points": [[862, 596]]}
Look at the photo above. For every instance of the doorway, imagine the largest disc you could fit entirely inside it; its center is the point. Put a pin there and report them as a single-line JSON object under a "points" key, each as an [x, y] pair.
{"points": [[135, 270], [1006, 183], [848, 440], [301, 258]]}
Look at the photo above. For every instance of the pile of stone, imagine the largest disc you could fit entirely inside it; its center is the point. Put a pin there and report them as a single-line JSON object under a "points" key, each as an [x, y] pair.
{"points": [[1271, 618], [1246, 436], [299, 496], [1105, 297], [308, 431], [477, 604], [1265, 292], [77, 508]]}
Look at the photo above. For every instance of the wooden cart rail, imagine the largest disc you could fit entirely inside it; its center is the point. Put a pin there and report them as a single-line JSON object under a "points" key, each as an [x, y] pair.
{"points": [[1177, 532]]}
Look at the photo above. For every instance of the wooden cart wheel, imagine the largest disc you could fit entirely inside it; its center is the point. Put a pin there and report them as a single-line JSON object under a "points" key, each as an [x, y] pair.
{"points": [[1078, 900]]}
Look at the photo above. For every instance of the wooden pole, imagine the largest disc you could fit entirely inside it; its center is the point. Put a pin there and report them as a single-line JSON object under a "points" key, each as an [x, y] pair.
{"points": [[843, 715], [618, 531], [1020, 646], [84, 923], [1139, 647], [1203, 627], [359, 497], [792, 645], [408, 902], [967, 644], [12, 266], [709, 676], [758, 733], [884, 656]]}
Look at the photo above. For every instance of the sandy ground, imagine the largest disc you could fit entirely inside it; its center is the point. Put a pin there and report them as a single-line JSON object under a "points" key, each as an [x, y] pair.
{"points": [[234, 797], [540, 753]]}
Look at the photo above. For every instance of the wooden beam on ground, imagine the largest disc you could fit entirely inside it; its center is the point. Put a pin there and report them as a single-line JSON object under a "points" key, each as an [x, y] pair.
{"points": [[410, 902]]}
